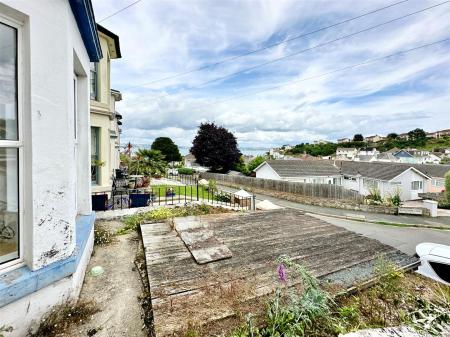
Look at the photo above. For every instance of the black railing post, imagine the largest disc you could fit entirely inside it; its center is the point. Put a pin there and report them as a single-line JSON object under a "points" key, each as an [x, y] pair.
{"points": [[197, 191]]}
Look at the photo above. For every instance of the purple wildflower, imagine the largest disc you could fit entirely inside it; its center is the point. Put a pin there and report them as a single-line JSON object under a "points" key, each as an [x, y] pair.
{"points": [[282, 273]]}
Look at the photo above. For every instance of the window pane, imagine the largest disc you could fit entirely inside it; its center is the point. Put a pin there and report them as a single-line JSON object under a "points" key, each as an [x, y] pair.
{"points": [[9, 205], [8, 82]]}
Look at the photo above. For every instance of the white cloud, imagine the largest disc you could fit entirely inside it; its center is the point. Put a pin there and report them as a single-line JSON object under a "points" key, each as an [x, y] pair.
{"points": [[163, 38]]}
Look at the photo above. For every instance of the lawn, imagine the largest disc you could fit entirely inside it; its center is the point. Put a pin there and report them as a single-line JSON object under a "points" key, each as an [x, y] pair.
{"points": [[181, 191]]}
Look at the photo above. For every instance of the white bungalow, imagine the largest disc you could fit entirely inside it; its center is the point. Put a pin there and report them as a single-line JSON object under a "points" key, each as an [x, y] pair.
{"points": [[46, 222], [306, 171]]}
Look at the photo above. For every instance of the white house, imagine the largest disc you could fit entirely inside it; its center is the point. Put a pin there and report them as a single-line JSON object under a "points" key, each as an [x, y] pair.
{"points": [[46, 222], [344, 140], [373, 139], [387, 178], [368, 152], [346, 153], [306, 171]]}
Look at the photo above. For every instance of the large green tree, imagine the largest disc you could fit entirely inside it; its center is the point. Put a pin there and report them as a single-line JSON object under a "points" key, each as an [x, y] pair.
{"points": [[168, 148], [215, 147], [417, 135]]}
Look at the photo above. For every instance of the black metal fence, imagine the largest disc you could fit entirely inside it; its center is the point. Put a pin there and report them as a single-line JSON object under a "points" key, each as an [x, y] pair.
{"points": [[122, 198], [186, 179]]}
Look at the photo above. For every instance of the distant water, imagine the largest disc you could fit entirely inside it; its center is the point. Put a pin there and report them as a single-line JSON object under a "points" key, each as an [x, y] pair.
{"points": [[184, 150]]}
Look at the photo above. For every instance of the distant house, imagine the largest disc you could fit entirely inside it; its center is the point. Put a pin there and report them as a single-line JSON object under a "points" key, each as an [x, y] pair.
{"points": [[373, 139], [387, 178], [307, 171], [276, 153], [439, 134], [365, 157], [403, 154], [346, 153], [386, 157], [321, 141], [190, 162], [105, 121], [368, 151], [344, 140], [408, 179]]}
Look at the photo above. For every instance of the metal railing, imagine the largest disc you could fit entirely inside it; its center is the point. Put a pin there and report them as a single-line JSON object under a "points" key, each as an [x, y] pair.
{"points": [[123, 198]]}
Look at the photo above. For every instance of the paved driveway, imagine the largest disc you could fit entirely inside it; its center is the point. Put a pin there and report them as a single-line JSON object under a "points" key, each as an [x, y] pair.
{"points": [[404, 239]]}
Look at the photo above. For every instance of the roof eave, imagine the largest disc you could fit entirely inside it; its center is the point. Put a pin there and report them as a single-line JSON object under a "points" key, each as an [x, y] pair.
{"points": [[114, 38], [84, 16]]}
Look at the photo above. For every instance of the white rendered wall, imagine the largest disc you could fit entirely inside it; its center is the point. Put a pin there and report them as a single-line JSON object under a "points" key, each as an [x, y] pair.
{"points": [[51, 38], [266, 172], [27, 311]]}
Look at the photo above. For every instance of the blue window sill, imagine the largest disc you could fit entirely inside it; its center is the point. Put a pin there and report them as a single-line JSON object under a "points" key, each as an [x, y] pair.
{"points": [[21, 282]]}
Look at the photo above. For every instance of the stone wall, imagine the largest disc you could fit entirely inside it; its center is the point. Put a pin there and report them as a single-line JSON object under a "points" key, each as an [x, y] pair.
{"points": [[437, 196]]}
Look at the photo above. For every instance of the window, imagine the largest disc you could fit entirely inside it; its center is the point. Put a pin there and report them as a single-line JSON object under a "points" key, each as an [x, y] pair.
{"points": [[438, 182], [10, 145], [416, 185], [94, 81], [370, 183], [95, 155]]}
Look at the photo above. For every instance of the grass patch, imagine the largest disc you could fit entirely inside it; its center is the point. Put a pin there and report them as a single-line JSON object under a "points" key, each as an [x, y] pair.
{"points": [[133, 221], [185, 190], [63, 316], [399, 224]]}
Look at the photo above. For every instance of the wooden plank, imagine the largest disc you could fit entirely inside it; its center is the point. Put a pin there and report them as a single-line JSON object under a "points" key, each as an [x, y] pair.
{"points": [[183, 291]]}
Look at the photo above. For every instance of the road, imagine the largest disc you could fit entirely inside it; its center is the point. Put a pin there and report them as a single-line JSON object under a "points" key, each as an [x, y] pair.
{"points": [[404, 239], [401, 219]]}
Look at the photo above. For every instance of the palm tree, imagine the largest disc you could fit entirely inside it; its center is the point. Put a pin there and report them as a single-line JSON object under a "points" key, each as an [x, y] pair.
{"points": [[148, 162]]}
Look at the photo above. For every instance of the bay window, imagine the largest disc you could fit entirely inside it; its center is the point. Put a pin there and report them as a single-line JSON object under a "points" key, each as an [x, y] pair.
{"points": [[10, 144]]}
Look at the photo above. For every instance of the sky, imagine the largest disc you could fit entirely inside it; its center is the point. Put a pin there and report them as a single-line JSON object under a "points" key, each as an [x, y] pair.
{"points": [[284, 101]]}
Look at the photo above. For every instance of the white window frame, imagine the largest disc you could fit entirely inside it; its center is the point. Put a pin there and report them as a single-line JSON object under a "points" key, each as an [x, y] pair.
{"points": [[18, 144], [420, 183]]}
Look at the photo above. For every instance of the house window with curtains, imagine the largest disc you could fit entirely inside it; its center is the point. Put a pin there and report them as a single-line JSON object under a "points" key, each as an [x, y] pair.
{"points": [[10, 145]]}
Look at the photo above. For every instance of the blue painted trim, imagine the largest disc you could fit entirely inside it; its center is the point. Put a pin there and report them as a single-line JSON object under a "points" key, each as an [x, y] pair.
{"points": [[84, 15], [23, 281]]}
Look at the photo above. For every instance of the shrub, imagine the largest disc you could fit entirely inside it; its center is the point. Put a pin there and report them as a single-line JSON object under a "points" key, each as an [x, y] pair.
{"points": [[223, 197], [131, 222], [374, 196], [395, 199], [212, 186], [186, 171], [447, 187]]}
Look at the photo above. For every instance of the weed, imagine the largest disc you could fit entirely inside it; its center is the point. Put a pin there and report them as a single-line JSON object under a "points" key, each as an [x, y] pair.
{"points": [[102, 236], [63, 316], [133, 221]]}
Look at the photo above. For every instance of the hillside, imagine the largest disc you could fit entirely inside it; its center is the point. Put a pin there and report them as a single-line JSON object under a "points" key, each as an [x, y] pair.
{"points": [[430, 144]]}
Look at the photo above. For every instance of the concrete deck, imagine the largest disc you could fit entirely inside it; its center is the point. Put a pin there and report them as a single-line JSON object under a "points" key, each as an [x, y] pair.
{"points": [[185, 292]]}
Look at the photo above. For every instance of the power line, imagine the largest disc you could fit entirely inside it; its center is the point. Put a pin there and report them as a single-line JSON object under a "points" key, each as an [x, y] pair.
{"points": [[119, 11], [316, 46], [266, 47], [312, 48], [329, 72], [356, 65]]}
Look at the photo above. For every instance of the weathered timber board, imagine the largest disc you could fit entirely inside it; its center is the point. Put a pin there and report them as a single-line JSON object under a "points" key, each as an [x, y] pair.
{"points": [[200, 240], [185, 292]]}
